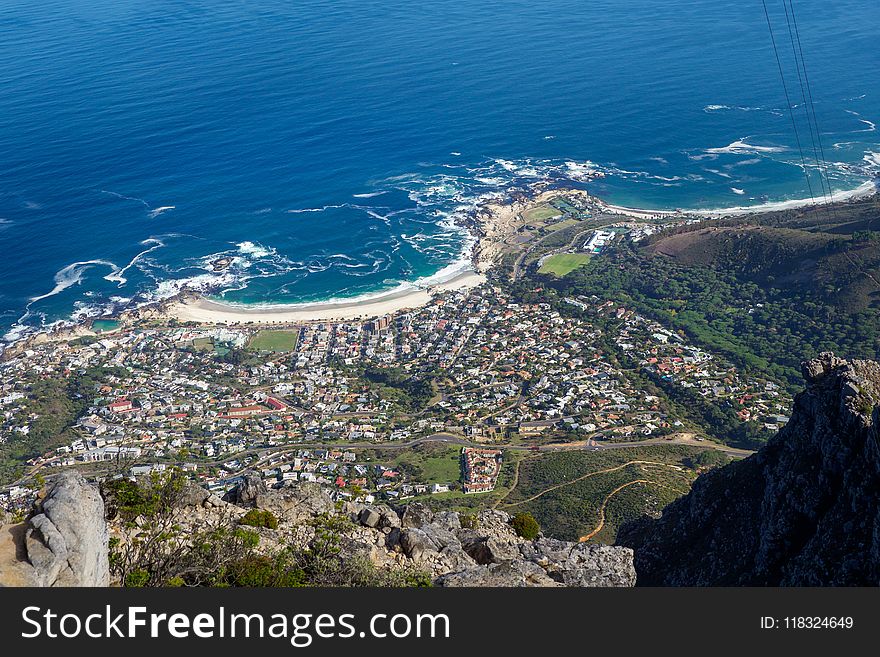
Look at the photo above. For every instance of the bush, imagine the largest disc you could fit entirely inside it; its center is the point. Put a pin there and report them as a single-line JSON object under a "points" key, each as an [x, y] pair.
{"points": [[257, 571], [137, 579], [257, 518], [468, 520], [525, 525]]}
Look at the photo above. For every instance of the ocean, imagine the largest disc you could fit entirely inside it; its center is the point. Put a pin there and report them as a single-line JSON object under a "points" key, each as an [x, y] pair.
{"points": [[326, 147]]}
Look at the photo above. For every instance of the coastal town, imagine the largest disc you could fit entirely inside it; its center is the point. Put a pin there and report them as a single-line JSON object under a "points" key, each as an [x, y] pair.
{"points": [[338, 402]]}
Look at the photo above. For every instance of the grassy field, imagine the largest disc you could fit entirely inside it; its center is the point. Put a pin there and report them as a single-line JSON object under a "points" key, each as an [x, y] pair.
{"points": [[563, 263], [541, 213], [203, 344], [274, 341], [432, 464]]}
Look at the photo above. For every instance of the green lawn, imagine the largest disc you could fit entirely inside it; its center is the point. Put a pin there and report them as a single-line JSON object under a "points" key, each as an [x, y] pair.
{"points": [[563, 263], [275, 341], [541, 213]]}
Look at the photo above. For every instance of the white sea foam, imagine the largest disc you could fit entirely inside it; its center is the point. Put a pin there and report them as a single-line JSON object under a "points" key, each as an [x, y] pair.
{"points": [[155, 212], [582, 170], [737, 191], [254, 250], [71, 275], [119, 275], [125, 198], [321, 209], [742, 147], [865, 189], [383, 218], [739, 108]]}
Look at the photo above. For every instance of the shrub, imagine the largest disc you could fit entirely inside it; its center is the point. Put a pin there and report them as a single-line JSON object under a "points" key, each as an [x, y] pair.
{"points": [[525, 525], [258, 518], [468, 520], [137, 579], [262, 571]]}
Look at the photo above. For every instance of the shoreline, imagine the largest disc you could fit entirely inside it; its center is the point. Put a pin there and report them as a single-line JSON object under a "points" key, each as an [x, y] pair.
{"points": [[489, 225], [208, 311], [865, 190]]}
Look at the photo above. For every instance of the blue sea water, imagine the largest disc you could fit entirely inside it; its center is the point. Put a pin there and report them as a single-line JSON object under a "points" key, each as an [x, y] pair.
{"points": [[327, 146]]}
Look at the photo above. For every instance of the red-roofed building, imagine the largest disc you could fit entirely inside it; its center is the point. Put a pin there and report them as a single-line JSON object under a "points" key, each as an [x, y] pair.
{"points": [[244, 411], [121, 406], [275, 404]]}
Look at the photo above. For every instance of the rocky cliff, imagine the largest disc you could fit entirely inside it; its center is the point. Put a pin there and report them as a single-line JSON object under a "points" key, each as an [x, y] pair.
{"points": [[803, 511], [480, 550], [63, 543]]}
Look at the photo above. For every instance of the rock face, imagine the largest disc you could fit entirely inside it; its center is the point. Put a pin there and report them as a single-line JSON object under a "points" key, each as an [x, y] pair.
{"points": [[803, 511], [489, 553], [492, 554], [247, 492], [65, 543]]}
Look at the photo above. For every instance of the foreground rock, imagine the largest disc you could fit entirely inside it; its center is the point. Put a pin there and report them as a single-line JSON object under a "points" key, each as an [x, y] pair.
{"points": [[804, 510], [487, 552], [65, 542]]}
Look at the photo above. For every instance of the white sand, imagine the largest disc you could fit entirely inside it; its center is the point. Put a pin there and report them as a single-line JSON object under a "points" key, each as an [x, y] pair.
{"points": [[206, 311], [866, 189], [638, 213]]}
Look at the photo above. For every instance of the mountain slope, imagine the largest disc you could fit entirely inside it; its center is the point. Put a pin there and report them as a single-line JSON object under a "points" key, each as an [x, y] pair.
{"points": [[827, 255], [803, 511]]}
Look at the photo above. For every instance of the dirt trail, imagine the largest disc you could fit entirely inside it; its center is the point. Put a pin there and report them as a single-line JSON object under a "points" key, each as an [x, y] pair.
{"points": [[512, 486], [587, 476], [601, 525]]}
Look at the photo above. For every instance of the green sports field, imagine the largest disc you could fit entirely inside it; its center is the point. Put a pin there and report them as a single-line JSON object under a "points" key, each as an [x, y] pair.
{"points": [[274, 341], [563, 263]]}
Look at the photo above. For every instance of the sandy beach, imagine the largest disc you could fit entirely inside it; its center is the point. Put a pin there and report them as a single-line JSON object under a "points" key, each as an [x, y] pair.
{"points": [[206, 311], [867, 189], [493, 224]]}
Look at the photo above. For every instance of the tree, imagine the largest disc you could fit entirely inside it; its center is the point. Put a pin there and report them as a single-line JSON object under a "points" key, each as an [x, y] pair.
{"points": [[525, 525]]}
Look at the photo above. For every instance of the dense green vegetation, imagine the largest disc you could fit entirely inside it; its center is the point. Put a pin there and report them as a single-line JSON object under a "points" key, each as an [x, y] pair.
{"points": [[762, 331], [396, 385], [258, 518], [525, 525], [565, 491]]}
